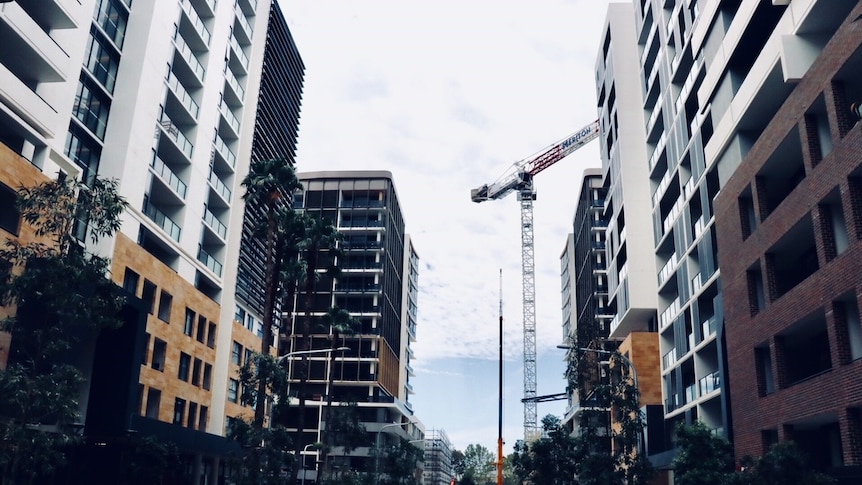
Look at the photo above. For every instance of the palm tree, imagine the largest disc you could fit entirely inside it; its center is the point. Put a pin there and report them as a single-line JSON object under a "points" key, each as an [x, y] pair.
{"points": [[268, 184], [321, 237], [341, 324]]}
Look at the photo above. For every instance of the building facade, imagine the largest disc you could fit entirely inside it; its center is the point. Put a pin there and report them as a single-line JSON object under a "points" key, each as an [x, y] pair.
{"points": [[377, 284], [438, 458], [789, 227], [163, 96]]}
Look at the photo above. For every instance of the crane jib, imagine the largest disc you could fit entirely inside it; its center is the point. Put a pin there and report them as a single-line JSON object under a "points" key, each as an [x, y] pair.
{"points": [[577, 137]]}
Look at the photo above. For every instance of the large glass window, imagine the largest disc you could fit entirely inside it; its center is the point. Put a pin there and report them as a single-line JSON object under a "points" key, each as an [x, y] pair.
{"points": [[92, 107], [102, 61], [112, 18], [233, 390], [84, 151]]}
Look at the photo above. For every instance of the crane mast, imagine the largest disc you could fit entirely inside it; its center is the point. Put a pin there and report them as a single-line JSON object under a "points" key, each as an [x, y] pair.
{"points": [[520, 180]]}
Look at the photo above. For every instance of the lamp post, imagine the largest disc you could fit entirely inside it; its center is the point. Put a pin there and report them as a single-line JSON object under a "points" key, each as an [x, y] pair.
{"points": [[377, 448], [305, 470]]}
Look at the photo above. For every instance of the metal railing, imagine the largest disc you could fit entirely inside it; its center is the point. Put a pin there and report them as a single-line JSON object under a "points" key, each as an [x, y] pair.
{"points": [[209, 261], [162, 220], [183, 95], [161, 169]]}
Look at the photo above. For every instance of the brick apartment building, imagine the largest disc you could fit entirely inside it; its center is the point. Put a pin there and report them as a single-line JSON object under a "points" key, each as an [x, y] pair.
{"points": [[789, 225]]}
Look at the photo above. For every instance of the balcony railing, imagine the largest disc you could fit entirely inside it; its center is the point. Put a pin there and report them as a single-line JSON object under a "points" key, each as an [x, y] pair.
{"points": [[197, 22], [243, 21], [161, 169], [225, 151], [162, 220], [183, 95], [229, 116], [220, 187], [668, 359], [234, 83], [214, 223], [243, 59], [173, 131], [187, 54], [709, 383], [209, 261]]}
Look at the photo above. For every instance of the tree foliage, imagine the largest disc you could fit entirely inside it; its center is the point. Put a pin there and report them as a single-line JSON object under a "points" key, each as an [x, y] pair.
{"points": [[703, 458], [478, 464], [57, 295], [398, 463], [550, 459]]}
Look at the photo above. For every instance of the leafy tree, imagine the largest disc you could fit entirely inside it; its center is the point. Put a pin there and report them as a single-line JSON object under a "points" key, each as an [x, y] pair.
{"points": [[550, 459], [478, 464], [56, 294], [458, 465], [399, 462], [783, 464], [267, 184], [340, 323], [320, 237], [703, 458], [345, 430], [266, 451]]}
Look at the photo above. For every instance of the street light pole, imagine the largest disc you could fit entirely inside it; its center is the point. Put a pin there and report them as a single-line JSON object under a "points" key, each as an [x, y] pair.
{"points": [[377, 448], [304, 470]]}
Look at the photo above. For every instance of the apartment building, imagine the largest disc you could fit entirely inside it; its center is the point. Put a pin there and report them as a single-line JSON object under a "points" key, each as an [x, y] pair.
{"points": [[789, 223], [163, 96], [584, 288], [377, 285]]}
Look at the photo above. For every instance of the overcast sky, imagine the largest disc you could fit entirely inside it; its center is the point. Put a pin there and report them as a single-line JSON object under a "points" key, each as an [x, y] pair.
{"points": [[447, 95]]}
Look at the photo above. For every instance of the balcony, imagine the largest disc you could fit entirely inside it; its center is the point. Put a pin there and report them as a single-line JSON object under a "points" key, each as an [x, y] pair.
{"points": [[246, 30], [225, 152], [357, 288], [215, 224], [25, 103], [235, 95], [238, 52], [220, 187], [709, 383], [166, 175], [668, 359], [196, 22], [171, 228], [176, 135], [248, 6], [183, 96], [31, 49], [191, 59], [209, 261], [229, 117]]}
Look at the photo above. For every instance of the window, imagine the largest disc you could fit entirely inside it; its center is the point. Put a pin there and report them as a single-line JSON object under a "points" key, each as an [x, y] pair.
{"points": [[233, 390], [208, 373], [196, 372], [102, 62], [83, 150], [165, 301], [91, 107], [249, 322], [239, 314], [10, 218], [179, 410], [236, 354], [185, 364], [160, 348], [189, 325], [149, 295], [202, 328], [112, 19], [154, 399], [211, 335], [249, 355], [193, 415], [130, 281], [202, 418]]}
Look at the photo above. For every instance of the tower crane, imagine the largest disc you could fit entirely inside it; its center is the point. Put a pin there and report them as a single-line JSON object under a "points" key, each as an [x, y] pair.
{"points": [[519, 179]]}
